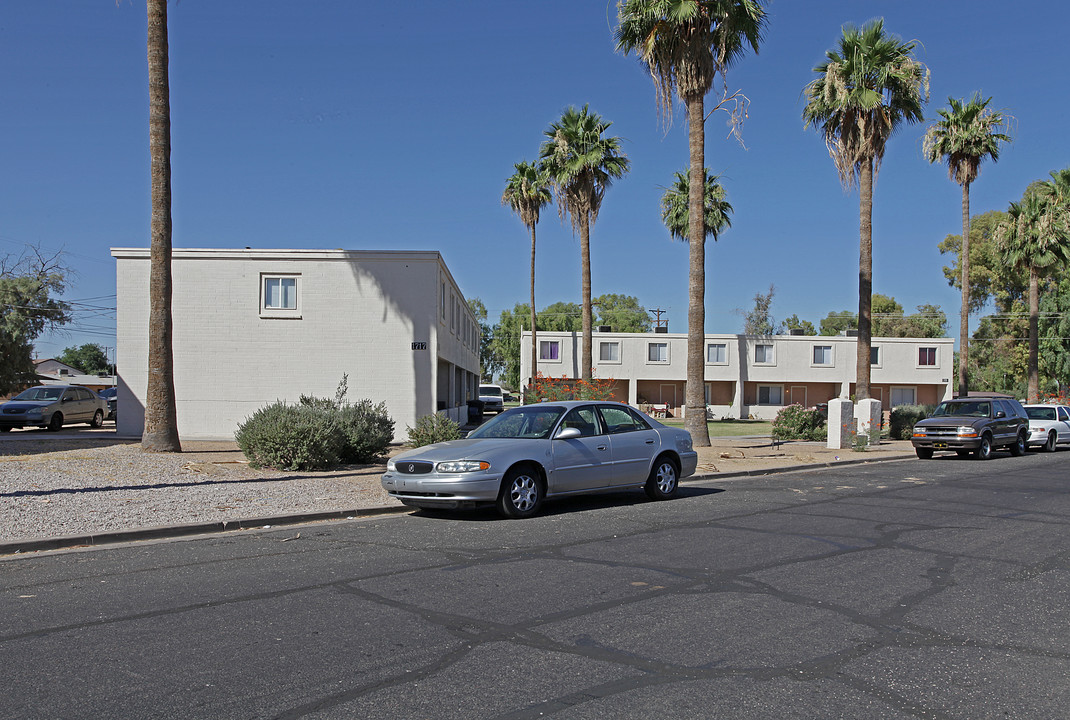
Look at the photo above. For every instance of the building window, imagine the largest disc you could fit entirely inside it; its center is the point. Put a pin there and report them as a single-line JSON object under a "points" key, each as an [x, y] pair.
{"points": [[609, 352], [763, 355], [770, 395], [549, 350], [927, 357], [717, 354], [278, 295], [823, 355], [875, 356], [442, 301], [657, 352], [903, 396]]}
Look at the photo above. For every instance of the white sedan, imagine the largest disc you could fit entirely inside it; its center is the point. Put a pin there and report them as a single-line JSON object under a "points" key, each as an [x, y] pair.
{"points": [[545, 450], [1049, 425]]}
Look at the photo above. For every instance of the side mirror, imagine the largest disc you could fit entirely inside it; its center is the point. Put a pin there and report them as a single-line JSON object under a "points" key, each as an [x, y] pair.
{"points": [[1000, 413], [567, 433]]}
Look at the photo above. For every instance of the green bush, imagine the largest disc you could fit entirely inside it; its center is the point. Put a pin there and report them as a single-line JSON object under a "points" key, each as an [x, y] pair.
{"points": [[432, 429], [316, 433], [903, 417], [794, 422]]}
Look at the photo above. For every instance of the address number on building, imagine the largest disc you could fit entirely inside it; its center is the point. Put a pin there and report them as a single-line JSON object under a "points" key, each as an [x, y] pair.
{"points": [[419, 346]]}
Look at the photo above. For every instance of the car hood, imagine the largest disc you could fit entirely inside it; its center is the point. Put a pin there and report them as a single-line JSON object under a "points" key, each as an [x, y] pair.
{"points": [[465, 449], [24, 405], [951, 420]]}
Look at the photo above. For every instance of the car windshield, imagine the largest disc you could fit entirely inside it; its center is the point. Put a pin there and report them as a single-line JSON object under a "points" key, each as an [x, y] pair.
{"points": [[532, 422], [489, 390], [1040, 413], [41, 393], [963, 409]]}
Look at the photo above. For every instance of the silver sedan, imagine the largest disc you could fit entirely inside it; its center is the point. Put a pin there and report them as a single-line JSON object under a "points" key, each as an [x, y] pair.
{"points": [[534, 452]]}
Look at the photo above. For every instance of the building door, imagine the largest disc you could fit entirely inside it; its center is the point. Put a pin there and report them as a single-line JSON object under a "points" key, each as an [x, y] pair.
{"points": [[798, 394]]}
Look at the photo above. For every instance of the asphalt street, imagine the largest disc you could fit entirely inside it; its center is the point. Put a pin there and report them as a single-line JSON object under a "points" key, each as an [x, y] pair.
{"points": [[896, 590]]}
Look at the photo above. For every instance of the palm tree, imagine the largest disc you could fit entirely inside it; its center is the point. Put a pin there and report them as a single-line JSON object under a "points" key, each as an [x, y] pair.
{"points": [[686, 44], [965, 135], [161, 418], [676, 202], [527, 191], [867, 89], [1037, 238], [582, 162]]}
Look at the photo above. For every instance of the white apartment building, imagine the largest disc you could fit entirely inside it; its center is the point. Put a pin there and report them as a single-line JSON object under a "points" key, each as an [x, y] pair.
{"points": [[255, 326], [750, 376]]}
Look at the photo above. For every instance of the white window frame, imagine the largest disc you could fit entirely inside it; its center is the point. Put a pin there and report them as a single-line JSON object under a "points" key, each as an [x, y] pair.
{"points": [[831, 354], [280, 312], [717, 362], [880, 356], [936, 357], [548, 343], [891, 394], [772, 352], [608, 343], [758, 395], [661, 361]]}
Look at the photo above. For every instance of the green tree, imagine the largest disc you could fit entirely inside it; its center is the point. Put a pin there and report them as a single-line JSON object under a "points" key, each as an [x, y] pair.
{"points": [[1037, 238], [836, 323], [889, 319], [966, 134], [794, 323], [527, 191], [490, 364], [1055, 335], [759, 321], [868, 87], [623, 313], [582, 163], [561, 317], [686, 45], [161, 415], [90, 358], [675, 206], [506, 341], [991, 279], [29, 286]]}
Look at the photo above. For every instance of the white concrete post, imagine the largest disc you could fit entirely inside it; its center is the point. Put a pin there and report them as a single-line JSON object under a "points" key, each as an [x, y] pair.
{"points": [[868, 413], [841, 424]]}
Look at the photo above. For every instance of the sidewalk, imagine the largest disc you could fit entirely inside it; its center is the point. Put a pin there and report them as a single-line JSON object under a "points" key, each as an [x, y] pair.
{"points": [[102, 490]]}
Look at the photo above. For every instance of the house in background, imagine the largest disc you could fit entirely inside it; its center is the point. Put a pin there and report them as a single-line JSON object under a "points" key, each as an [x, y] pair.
{"points": [[255, 326], [751, 376], [53, 372]]}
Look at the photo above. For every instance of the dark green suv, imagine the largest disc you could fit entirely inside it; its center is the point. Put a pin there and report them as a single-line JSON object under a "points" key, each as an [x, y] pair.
{"points": [[973, 425]]}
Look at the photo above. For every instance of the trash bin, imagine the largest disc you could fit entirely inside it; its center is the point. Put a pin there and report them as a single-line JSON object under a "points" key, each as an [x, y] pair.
{"points": [[475, 411]]}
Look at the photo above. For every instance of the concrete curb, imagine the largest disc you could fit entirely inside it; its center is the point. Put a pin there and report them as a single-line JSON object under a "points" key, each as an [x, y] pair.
{"points": [[175, 531]]}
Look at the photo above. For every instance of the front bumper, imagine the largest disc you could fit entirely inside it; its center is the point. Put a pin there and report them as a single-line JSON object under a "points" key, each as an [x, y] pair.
{"points": [[443, 490], [21, 421], [946, 443]]}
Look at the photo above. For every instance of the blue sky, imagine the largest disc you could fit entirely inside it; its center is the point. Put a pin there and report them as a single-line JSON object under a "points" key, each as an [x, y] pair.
{"points": [[344, 123]]}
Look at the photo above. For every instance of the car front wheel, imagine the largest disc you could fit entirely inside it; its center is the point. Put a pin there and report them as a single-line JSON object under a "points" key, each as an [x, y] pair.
{"points": [[924, 453], [984, 450], [56, 422], [663, 481], [1018, 448], [98, 419], [521, 494]]}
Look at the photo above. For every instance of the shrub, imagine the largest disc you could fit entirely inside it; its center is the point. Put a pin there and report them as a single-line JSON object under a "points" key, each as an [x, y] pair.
{"points": [[367, 430], [549, 389], [432, 429], [902, 419], [794, 422], [290, 437]]}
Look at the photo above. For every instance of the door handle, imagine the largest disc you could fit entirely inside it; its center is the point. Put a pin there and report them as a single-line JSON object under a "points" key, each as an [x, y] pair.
{"points": [[649, 442], [601, 447]]}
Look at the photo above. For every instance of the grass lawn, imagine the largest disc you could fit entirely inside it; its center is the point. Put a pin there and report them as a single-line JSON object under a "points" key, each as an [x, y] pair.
{"points": [[724, 428]]}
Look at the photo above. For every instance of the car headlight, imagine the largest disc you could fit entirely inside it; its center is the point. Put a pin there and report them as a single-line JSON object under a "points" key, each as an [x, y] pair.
{"points": [[919, 432], [967, 431], [462, 466], [36, 412], [391, 466]]}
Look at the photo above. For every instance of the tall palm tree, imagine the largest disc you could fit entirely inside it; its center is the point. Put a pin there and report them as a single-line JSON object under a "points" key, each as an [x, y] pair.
{"points": [[966, 134], [582, 162], [1037, 238], [161, 418], [676, 205], [686, 44], [527, 191], [869, 87]]}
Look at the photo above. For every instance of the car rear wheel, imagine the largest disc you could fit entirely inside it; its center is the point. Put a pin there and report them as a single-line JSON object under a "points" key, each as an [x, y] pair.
{"points": [[1049, 446], [56, 422], [663, 481], [1018, 448], [984, 450], [924, 453], [521, 494], [98, 419]]}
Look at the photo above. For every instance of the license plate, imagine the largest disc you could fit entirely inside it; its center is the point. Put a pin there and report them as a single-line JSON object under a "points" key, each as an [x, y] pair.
{"points": [[940, 446]]}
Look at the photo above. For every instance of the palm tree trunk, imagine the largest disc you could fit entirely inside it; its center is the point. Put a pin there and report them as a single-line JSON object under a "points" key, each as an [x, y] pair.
{"points": [[964, 317], [161, 421], [695, 391], [585, 288], [1033, 389], [865, 279], [534, 338]]}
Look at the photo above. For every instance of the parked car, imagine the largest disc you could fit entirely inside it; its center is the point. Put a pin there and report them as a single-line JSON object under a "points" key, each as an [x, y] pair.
{"points": [[1049, 425], [52, 406], [110, 396], [973, 425], [547, 450], [491, 395]]}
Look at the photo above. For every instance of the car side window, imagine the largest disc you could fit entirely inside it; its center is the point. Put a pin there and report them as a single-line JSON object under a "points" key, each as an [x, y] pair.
{"points": [[583, 419], [618, 420]]}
